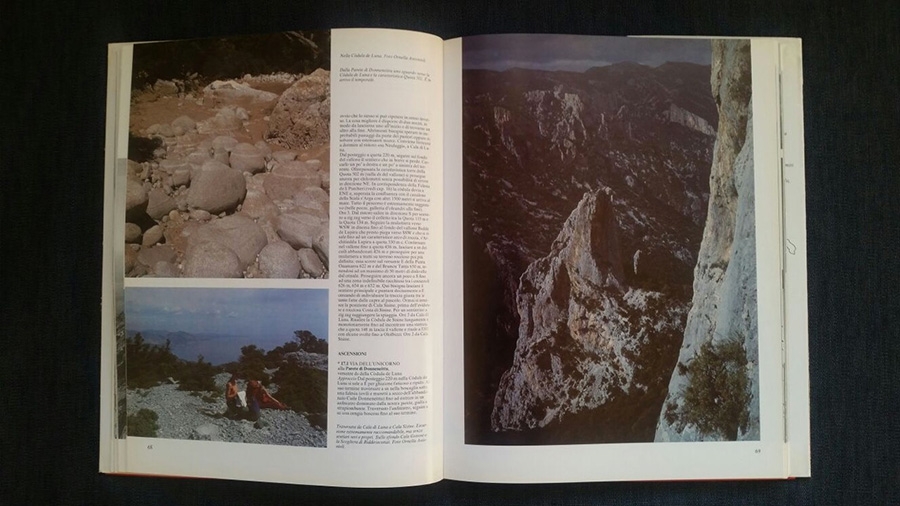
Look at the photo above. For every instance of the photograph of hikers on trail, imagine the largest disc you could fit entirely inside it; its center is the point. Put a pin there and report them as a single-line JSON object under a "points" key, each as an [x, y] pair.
{"points": [[226, 364]]}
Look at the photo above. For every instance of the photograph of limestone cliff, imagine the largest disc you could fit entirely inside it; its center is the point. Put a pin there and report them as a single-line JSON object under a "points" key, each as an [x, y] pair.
{"points": [[228, 158], [609, 216]]}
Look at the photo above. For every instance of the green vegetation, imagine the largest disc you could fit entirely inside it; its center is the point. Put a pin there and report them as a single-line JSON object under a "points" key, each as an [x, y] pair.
{"points": [[197, 376], [717, 395], [251, 364], [143, 423], [310, 343], [148, 365]]}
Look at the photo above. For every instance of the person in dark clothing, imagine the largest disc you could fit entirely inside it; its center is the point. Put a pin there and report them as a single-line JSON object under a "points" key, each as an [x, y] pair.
{"points": [[231, 398], [254, 396]]}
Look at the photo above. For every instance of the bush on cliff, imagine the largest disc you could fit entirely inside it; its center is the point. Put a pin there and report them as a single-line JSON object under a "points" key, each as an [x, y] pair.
{"points": [[717, 396]]}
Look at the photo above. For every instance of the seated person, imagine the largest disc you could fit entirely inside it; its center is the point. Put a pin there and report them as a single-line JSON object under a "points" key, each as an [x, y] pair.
{"points": [[232, 401]]}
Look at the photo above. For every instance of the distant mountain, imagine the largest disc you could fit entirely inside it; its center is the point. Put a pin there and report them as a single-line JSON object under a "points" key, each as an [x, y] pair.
{"points": [[216, 348], [630, 142]]}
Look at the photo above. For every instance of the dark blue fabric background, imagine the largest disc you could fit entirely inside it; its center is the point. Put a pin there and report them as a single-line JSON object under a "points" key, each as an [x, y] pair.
{"points": [[53, 71]]}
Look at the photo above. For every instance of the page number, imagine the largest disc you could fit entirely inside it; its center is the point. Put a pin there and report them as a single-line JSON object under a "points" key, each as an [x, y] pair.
{"points": [[757, 451], [149, 447]]}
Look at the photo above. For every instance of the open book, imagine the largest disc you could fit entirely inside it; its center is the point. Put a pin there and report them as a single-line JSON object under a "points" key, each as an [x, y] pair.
{"points": [[376, 258]]}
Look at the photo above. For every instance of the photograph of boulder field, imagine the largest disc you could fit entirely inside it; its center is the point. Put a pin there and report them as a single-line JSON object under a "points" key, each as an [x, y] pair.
{"points": [[609, 238], [230, 365], [228, 169]]}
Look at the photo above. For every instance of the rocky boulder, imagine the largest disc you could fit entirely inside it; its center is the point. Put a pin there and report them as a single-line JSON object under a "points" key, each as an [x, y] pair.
{"points": [[216, 188], [279, 260], [290, 178], [298, 229], [135, 199], [238, 233], [310, 262], [211, 260], [159, 204], [231, 90], [247, 158], [302, 116]]}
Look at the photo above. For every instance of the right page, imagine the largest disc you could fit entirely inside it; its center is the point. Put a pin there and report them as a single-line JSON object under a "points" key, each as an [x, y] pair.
{"points": [[614, 258]]}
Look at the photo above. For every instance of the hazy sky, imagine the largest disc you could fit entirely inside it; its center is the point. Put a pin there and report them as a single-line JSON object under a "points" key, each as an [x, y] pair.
{"points": [[576, 52], [267, 315]]}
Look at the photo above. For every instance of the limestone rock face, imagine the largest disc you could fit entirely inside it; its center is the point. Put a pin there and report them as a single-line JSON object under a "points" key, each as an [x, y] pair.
{"points": [[678, 115], [724, 305], [580, 339], [302, 115]]}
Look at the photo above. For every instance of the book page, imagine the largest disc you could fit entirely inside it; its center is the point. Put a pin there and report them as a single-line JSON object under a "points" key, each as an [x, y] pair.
{"points": [[274, 206], [794, 252], [616, 210]]}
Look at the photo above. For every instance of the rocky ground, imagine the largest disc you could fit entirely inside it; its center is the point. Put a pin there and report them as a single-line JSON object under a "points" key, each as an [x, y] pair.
{"points": [[229, 180], [191, 415]]}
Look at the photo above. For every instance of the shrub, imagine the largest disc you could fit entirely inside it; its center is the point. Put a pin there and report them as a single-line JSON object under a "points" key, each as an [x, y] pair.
{"points": [[304, 389], [143, 423], [197, 376], [148, 364], [716, 397], [310, 343], [252, 364]]}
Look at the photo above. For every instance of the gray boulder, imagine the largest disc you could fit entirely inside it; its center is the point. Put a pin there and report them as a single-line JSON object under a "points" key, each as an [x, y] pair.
{"points": [[205, 432], [181, 177], [152, 236], [234, 90], [258, 205], [135, 199], [312, 197], [320, 244], [237, 232], [289, 179], [211, 260], [247, 158], [170, 165], [297, 229], [225, 142], [225, 120], [159, 204], [216, 188], [165, 270], [132, 233], [302, 116], [310, 262], [284, 156], [152, 255], [279, 260], [185, 123]]}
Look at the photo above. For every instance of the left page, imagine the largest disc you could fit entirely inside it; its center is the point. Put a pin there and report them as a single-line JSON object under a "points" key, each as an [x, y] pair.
{"points": [[268, 312]]}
